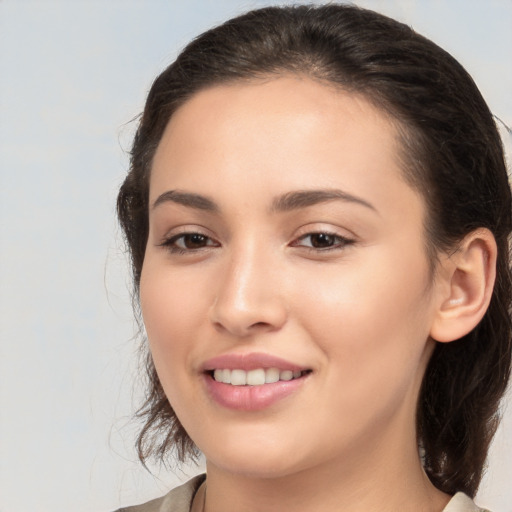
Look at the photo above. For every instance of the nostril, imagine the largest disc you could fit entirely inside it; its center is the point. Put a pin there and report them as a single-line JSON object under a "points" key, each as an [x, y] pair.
{"points": [[260, 324]]}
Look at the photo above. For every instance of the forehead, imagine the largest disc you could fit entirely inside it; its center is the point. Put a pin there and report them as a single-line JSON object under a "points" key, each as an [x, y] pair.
{"points": [[277, 101], [287, 133]]}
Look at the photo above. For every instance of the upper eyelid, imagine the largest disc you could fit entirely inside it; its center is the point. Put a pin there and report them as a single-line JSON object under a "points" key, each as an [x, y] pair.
{"points": [[329, 229], [186, 230]]}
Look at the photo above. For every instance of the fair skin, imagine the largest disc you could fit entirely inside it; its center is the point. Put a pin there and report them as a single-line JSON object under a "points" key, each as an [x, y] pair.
{"points": [[243, 260]]}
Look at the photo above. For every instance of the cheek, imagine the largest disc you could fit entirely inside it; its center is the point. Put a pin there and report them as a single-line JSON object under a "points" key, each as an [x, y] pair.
{"points": [[372, 320], [374, 337], [170, 312]]}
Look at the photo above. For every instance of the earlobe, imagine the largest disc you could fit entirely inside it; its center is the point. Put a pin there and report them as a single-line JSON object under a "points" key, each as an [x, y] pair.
{"points": [[467, 280]]}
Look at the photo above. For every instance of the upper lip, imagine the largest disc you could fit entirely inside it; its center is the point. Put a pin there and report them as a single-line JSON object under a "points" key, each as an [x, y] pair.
{"points": [[247, 362]]}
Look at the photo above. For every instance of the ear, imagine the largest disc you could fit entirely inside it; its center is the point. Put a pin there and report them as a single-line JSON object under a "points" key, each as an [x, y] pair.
{"points": [[464, 285]]}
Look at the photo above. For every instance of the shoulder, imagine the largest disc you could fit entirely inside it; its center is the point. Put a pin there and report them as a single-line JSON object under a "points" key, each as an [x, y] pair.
{"points": [[177, 500], [462, 503]]}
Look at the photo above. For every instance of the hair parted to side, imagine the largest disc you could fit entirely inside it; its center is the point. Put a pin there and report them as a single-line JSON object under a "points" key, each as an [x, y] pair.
{"points": [[452, 154]]}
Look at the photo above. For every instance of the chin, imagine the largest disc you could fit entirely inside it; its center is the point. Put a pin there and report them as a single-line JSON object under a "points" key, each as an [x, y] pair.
{"points": [[258, 459], [261, 467]]}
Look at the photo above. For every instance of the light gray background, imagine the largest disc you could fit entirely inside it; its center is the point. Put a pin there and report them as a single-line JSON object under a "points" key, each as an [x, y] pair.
{"points": [[72, 75]]}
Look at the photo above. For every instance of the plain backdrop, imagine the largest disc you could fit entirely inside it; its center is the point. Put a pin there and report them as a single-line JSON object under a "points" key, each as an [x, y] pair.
{"points": [[72, 76]]}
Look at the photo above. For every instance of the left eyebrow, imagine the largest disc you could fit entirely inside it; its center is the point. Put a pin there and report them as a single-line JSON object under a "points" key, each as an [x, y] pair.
{"points": [[305, 198]]}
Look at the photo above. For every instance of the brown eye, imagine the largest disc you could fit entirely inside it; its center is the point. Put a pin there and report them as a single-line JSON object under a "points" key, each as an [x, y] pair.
{"points": [[185, 242], [193, 241], [322, 240]]}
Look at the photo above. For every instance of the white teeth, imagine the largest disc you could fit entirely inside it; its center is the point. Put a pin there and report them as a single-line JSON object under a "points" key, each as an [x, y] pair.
{"points": [[238, 377], [271, 375], [226, 376], [256, 377]]}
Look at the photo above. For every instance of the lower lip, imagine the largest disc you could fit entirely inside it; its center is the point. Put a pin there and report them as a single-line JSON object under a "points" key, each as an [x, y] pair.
{"points": [[251, 398]]}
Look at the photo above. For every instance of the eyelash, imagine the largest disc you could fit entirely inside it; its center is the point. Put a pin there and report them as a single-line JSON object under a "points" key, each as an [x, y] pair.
{"points": [[171, 243], [337, 242]]}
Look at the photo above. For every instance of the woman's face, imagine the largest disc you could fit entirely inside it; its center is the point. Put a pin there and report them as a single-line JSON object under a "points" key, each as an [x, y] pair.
{"points": [[284, 243]]}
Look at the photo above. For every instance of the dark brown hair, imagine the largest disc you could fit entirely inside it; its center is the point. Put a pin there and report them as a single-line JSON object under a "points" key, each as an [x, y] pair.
{"points": [[451, 153]]}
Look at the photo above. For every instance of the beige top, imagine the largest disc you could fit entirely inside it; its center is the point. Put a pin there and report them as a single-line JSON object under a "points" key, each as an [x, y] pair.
{"points": [[180, 500]]}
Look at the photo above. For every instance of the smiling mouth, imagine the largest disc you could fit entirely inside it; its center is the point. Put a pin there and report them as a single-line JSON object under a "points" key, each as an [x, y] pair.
{"points": [[256, 377]]}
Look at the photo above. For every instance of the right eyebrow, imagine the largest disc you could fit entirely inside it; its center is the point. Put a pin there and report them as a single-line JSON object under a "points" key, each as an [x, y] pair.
{"points": [[188, 199]]}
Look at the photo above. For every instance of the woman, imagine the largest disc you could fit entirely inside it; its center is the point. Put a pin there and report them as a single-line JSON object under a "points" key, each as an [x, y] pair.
{"points": [[319, 215]]}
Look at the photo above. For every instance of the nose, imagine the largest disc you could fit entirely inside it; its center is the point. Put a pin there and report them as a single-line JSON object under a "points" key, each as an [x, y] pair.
{"points": [[249, 298]]}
